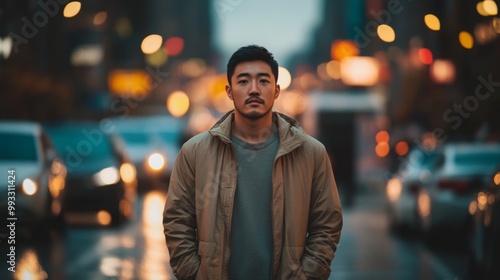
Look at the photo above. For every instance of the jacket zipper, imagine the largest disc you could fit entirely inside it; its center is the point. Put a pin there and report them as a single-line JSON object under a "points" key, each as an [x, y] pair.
{"points": [[225, 267]]}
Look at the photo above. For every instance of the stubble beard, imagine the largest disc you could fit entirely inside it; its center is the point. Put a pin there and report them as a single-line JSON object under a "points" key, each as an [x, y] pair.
{"points": [[254, 115]]}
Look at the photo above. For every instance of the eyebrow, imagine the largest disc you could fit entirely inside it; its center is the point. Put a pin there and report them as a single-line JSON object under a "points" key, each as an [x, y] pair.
{"points": [[265, 74]]}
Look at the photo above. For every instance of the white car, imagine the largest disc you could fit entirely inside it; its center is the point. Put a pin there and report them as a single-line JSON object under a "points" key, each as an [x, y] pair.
{"points": [[461, 170], [152, 143], [33, 175], [402, 189]]}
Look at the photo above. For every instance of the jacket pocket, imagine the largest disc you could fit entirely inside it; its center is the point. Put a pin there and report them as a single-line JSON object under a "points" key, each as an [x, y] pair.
{"points": [[206, 249], [314, 270], [291, 265]]}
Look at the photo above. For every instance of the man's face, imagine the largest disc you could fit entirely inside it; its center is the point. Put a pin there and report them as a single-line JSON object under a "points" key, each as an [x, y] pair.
{"points": [[253, 89]]}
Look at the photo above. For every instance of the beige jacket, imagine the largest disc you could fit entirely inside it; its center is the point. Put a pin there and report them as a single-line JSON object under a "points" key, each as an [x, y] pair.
{"points": [[306, 211]]}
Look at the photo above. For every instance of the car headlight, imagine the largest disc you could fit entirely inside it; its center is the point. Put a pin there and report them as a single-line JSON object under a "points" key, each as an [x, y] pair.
{"points": [[424, 204], [29, 186], [393, 189], [156, 161], [127, 172], [107, 176]]}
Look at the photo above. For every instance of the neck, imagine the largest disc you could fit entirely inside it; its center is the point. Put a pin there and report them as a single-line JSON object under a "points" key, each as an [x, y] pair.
{"points": [[253, 131]]}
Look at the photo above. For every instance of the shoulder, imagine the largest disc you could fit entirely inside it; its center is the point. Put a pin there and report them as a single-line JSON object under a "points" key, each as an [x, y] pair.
{"points": [[196, 142], [313, 145]]}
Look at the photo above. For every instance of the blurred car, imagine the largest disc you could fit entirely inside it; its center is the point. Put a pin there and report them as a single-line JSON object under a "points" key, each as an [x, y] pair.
{"points": [[484, 231], [402, 189], [30, 163], [460, 171], [152, 142], [101, 181]]}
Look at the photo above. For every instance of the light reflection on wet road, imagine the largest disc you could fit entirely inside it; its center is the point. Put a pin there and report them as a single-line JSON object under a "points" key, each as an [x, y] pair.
{"points": [[137, 250]]}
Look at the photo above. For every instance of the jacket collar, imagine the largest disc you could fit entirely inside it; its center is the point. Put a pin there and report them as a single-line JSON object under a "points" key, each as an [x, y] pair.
{"points": [[291, 135]]}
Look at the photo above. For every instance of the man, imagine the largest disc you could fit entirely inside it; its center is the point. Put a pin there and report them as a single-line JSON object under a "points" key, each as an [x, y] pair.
{"points": [[254, 197]]}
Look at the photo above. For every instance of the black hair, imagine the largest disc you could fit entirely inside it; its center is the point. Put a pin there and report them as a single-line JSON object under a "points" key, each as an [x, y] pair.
{"points": [[251, 53]]}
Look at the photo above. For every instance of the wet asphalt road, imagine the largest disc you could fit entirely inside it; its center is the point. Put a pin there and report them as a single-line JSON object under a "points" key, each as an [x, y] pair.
{"points": [[137, 250]]}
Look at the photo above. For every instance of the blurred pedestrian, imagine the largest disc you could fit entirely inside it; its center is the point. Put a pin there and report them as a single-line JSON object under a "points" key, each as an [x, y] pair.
{"points": [[255, 196]]}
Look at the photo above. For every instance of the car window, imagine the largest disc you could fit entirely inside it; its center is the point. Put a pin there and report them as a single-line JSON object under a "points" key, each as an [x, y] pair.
{"points": [[18, 147], [419, 159], [134, 137], [169, 136], [478, 158], [71, 143]]}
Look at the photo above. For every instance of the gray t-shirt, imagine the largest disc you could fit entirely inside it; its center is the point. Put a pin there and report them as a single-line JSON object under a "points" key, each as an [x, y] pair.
{"points": [[251, 231]]}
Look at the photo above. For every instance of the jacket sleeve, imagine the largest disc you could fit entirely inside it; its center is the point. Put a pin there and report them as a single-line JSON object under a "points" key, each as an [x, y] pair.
{"points": [[179, 219], [325, 220]]}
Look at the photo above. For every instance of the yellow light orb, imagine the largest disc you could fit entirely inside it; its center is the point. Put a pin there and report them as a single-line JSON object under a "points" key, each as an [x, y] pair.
{"points": [[466, 39], [386, 33], [178, 103], [72, 9], [432, 22], [151, 43]]}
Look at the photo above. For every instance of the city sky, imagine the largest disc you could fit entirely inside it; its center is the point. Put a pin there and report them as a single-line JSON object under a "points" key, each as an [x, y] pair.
{"points": [[284, 27]]}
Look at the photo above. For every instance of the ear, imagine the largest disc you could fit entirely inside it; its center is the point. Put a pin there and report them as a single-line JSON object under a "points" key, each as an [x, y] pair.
{"points": [[229, 92], [277, 91]]}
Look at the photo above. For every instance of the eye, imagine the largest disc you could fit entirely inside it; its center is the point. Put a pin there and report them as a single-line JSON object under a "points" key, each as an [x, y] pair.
{"points": [[264, 81], [243, 82]]}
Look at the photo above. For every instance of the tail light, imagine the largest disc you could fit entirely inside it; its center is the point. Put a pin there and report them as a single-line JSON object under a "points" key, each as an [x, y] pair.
{"points": [[459, 186]]}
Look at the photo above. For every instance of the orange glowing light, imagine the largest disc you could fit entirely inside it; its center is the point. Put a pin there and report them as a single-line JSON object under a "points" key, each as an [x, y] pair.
{"points": [[382, 136], [425, 56], [382, 149], [442, 71], [72, 9], [341, 49], [402, 148], [128, 83], [103, 218]]}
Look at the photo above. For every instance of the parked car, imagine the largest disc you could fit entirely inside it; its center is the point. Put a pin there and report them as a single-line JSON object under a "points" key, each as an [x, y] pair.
{"points": [[402, 188], [34, 177], [461, 170], [152, 143], [101, 181], [484, 231]]}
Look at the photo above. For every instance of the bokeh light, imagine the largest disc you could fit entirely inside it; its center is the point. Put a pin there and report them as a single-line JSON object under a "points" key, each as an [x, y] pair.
{"points": [[386, 33], [151, 43], [490, 7], [100, 18], [402, 148], [333, 69], [442, 71], [432, 22], [382, 149], [178, 103], [466, 39], [174, 45], [382, 136], [425, 56], [284, 78], [72, 9]]}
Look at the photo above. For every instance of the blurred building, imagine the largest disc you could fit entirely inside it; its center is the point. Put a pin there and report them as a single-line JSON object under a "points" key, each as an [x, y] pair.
{"points": [[433, 55], [62, 57]]}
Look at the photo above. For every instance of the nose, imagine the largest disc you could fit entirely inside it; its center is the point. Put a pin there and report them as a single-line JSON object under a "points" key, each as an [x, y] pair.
{"points": [[254, 88]]}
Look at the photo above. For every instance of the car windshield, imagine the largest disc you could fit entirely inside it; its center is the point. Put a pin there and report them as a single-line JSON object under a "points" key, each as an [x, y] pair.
{"points": [[419, 159], [18, 147], [71, 144], [171, 137], [135, 137], [478, 158]]}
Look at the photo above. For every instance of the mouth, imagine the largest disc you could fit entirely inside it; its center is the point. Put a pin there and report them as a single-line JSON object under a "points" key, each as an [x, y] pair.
{"points": [[254, 100]]}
